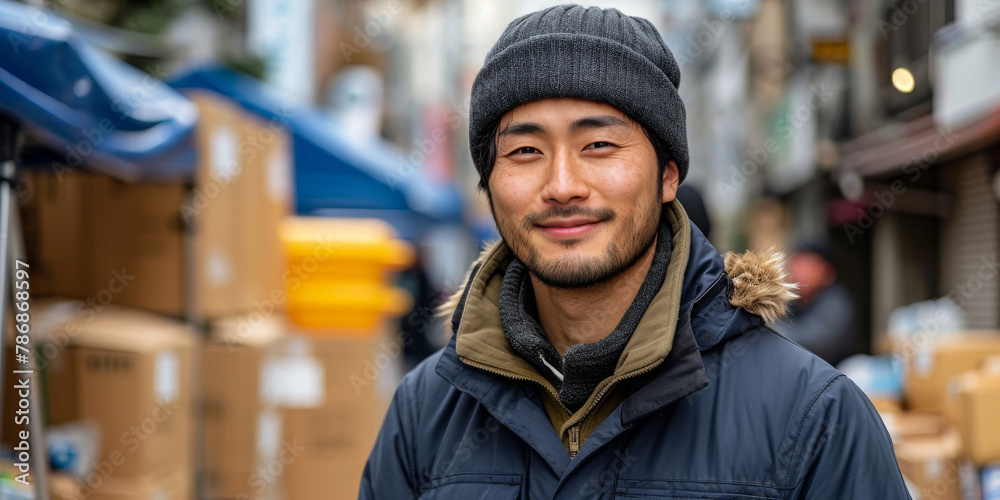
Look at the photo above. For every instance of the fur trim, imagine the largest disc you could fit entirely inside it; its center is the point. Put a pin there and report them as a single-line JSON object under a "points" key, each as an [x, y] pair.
{"points": [[759, 283]]}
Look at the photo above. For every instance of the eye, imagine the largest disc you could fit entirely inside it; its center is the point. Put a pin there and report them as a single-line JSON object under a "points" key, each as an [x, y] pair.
{"points": [[526, 150], [598, 145]]}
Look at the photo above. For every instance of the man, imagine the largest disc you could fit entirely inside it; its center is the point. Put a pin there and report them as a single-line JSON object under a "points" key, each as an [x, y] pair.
{"points": [[603, 348], [821, 319]]}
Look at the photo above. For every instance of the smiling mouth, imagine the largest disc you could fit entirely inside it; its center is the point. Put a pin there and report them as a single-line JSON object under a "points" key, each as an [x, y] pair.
{"points": [[570, 229]]}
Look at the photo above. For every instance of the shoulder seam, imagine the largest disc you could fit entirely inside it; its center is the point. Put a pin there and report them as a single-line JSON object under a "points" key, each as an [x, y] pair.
{"points": [[790, 341], [802, 422]]}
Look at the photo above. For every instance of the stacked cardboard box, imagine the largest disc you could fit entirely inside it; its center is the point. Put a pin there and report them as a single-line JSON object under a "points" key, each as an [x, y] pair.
{"points": [[131, 374], [886, 405], [286, 413], [240, 431], [932, 366], [353, 353], [928, 450], [974, 407], [64, 487], [202, 251], [242, 192], [175, 485], [331, 440], [54, 222], [956, 377]]}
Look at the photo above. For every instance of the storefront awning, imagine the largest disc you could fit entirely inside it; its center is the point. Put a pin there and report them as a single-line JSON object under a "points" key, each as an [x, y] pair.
{"points": [[89, 108], [888, 150], [333, 174]]}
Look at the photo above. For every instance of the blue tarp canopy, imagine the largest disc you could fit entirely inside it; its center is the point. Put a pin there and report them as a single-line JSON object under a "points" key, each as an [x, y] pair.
{"points": [[88, 107], [334, 176]]}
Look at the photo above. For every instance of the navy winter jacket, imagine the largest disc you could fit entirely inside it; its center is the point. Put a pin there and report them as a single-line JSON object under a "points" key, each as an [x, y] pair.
{"points": [[735, 411]]}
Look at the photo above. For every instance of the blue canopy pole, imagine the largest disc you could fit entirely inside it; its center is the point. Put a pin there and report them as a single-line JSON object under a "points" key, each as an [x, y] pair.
{"points": [[14, 270]]}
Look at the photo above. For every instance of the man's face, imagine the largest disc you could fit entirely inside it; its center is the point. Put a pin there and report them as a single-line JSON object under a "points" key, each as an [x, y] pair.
{"points": [[576, 191]]}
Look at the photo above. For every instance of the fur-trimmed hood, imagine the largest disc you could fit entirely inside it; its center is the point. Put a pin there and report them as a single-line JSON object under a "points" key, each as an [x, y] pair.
{"points": [[759, 283]]}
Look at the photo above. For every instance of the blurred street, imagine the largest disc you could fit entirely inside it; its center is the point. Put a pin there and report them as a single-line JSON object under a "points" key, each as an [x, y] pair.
{"points": [[235, 222]]}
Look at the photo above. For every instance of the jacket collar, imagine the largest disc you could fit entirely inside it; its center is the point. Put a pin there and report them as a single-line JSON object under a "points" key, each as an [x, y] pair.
{"points": [[482, 343], [705, 315], [705, 295], [707, 319]]}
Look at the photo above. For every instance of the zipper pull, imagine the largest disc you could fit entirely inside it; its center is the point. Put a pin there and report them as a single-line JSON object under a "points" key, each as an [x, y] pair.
{"points": [[574, 441]]}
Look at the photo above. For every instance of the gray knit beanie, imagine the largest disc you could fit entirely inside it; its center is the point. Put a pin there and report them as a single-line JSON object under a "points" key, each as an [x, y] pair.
{"points": [[589, 53]]}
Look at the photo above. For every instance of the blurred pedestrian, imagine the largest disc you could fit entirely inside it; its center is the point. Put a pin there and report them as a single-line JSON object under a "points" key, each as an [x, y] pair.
{"points": [[822, 319], [603, 348]]}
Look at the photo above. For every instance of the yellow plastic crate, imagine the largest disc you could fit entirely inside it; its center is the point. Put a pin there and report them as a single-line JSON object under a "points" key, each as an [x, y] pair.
{"points": [[358, 312], [321, 248]]}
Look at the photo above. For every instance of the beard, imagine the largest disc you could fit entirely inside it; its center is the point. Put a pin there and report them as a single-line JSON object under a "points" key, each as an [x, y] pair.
{"points": [[633, 235]]}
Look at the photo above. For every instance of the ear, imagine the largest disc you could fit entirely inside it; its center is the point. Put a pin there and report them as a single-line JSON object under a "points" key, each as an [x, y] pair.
{"points": [[671, 179]]}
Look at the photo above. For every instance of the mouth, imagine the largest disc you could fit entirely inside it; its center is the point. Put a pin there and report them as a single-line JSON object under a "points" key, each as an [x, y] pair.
{"points": [[568, 228]]}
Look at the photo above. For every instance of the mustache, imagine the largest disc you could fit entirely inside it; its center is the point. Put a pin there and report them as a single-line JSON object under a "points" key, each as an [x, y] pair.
{"points": [[535, 218]]}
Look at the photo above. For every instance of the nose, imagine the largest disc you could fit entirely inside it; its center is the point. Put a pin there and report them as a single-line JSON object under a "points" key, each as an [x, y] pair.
{"points": [[565, 182]]}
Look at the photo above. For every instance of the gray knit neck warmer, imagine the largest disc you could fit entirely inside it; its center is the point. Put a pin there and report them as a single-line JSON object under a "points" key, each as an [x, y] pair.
{"points": [[584, 365]]}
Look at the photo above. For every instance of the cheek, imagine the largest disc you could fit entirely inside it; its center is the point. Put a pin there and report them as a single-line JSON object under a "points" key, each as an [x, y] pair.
{"points": [[626, 187], [510, 193]]}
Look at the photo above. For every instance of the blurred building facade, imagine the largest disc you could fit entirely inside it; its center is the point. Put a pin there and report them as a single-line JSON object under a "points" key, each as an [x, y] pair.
{"points": [[764, 83], [799, 123], [918, 181], [798, 128], [870, 127]]}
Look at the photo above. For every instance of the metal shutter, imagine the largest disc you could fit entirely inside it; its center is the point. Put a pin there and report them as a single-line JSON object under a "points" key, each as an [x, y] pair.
{"points": [[969, 244]]}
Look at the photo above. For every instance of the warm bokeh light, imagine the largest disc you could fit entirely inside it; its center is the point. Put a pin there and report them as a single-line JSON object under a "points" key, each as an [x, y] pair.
{"points": [[902, 79]]}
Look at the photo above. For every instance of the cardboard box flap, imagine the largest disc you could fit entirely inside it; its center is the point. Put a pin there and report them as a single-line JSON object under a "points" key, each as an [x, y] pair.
{"points": [[135, 332], [926, 448], [157, 485], [48, 314], [906, 425], [964, 341], [251, 330], [112, 328], [899, 341], [991, 365], [977, 381]]}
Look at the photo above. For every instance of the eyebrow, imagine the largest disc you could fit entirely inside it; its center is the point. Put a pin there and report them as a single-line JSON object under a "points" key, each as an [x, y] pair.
{"points": [[588, 122], [601, 121], [524, 128]]}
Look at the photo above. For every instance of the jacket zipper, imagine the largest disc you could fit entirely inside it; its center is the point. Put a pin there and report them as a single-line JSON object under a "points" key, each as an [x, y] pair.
{"points": [[518, 377], [574, 431], [574, 441], [613, 383]]}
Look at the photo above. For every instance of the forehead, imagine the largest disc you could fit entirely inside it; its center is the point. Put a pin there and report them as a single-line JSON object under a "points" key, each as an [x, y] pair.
{"points": [[560, 110]]}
